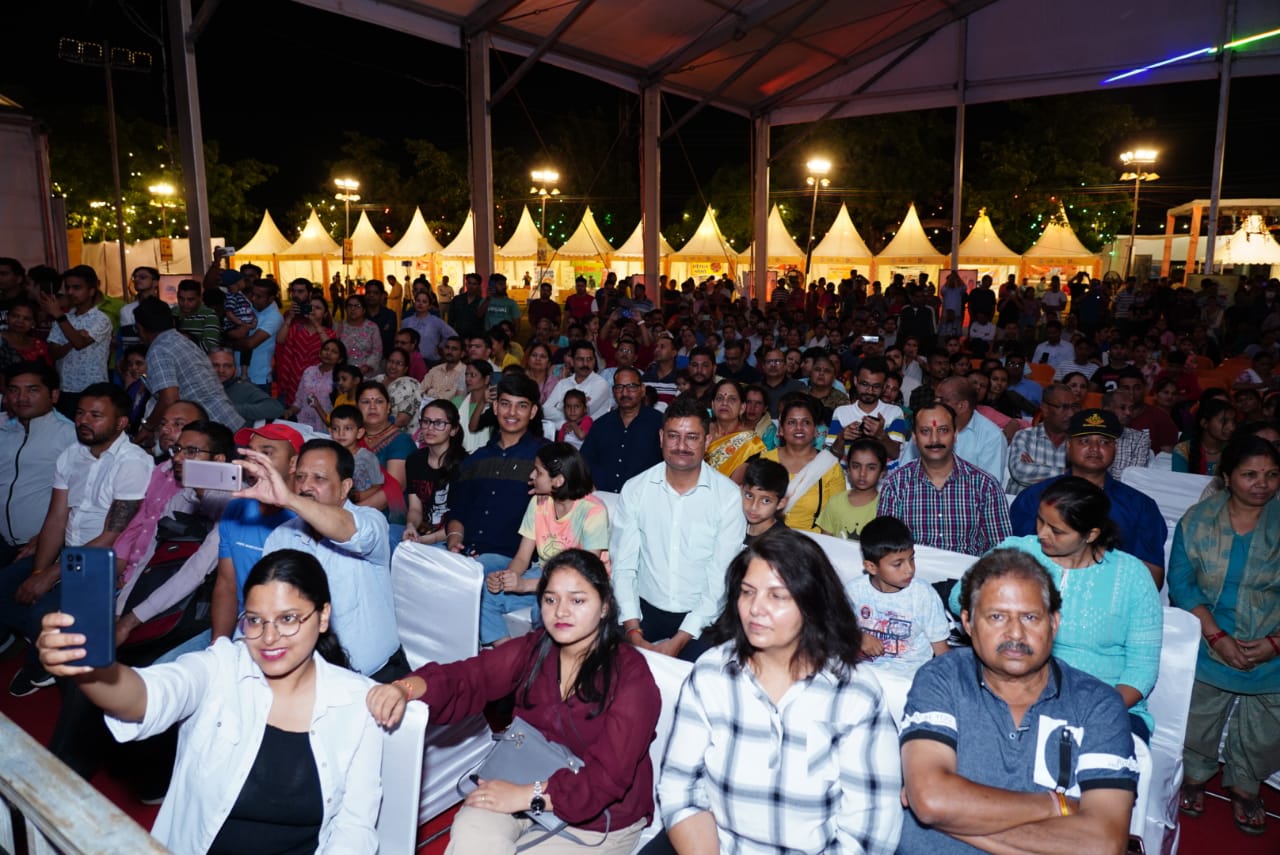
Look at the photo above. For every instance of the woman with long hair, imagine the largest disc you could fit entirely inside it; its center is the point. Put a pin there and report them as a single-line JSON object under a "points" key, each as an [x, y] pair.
{"points": [[1112, 620], [1223, 569], [816, 475], [580, 686], [391, 445], [1215, 421], [731, 442], [474, 403], [430, 470], [741, 773], [314, 399], [274, 756], [298, 345]]}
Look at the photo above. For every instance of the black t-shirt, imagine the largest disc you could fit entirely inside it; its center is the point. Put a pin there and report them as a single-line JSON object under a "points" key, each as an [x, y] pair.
{"points": [[430, 485], [982, 301], [281, 806]]}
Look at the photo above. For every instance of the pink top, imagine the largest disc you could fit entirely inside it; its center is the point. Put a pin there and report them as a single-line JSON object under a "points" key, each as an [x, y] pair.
{"points": [[319, 384], [135, 542]]}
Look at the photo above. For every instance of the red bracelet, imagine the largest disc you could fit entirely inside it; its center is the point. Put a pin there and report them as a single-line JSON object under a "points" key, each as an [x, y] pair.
{"points": [[1215, 638], [1272, 641]]}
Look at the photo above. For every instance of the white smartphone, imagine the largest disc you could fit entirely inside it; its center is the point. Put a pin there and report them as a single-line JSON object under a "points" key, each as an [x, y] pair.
{"points": [[210, 475]]}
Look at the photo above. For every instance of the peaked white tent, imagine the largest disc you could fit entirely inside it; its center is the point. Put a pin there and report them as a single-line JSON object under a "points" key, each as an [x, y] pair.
{"points": [[524, 252], [312, 256], [267, 243], [842, 249], [587, 241], [628, 259], [910, 252], [1059, 251], [1249, 244], [459, 257], [587, 251], [705, 254], [367, 250], [983, 249], [781, 248], [418, 246]]}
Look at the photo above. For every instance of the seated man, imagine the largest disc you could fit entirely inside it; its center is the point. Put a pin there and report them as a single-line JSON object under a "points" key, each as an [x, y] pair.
{"points": [[1006, 749], [253, 404], [624, 441], [1040, 452]]}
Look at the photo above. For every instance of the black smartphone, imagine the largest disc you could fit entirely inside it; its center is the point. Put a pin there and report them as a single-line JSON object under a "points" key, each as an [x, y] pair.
{"points": [[89, 595], [1044, 358]]}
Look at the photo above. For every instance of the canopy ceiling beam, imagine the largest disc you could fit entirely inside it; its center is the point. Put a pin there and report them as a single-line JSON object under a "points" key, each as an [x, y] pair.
{"points": [[733, 26], [930, 25], [487, 15], [538, 52], [742, 69], [201, 19]]}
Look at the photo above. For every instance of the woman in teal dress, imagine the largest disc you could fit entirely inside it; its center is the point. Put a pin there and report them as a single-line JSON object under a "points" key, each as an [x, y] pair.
{"points": [[1225, 570]]}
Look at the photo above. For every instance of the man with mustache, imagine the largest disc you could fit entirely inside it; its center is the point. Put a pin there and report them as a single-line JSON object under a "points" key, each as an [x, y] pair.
{"points": [[351, 542], [1005, 748], [946, 502]]}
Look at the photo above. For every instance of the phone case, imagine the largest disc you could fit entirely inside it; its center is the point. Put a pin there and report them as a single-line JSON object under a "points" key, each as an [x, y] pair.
{"points": [[89, 595]]}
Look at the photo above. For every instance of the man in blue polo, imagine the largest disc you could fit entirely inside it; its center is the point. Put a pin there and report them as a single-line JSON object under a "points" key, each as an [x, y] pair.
{"points": [[1006, 749], [1091, 449]]}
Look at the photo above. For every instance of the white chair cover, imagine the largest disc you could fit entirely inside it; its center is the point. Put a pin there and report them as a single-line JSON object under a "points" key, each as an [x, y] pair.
{"points": [[932, 565], [669, 674], [610, 501], [401, 783], [437, 596]]}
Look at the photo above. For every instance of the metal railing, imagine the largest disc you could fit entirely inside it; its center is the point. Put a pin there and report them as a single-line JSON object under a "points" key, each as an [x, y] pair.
{"points": [[60, 811]]}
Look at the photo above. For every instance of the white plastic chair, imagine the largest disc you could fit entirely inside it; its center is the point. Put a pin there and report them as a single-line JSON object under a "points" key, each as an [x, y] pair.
{"points": [[1173, 492], [402, 783], [437, 595], [669, 673]]}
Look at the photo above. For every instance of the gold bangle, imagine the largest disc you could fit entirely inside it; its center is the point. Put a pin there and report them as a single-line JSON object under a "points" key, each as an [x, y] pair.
{"points": [[1063, 808]]}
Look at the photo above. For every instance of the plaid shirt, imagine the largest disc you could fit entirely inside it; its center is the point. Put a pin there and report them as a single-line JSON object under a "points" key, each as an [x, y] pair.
{"points": [[817, 772], [969, 514], [1133, 448], [175, 360], [1047, 459]]}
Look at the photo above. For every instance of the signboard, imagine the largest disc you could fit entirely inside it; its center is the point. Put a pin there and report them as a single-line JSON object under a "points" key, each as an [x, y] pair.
{"points": [[166, 249], [592, 269], [703, 269], [348, 252]]}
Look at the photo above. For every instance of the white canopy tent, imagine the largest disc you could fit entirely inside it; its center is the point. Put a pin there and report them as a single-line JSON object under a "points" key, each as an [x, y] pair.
{"points": [[842, 249], [367, 250], [263, 248], [418, 246], [312, 256], [524, 252], [983, 249], [628, 259], [910, 252], [459, 257], [1059, 252], [781, 249], [586, 251], [706, 253]]}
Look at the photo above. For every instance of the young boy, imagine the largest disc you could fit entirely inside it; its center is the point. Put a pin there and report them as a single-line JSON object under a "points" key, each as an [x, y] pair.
{"points": [[846, 514], [903, 624], [764, 495], [576, 421], [346, 426]]}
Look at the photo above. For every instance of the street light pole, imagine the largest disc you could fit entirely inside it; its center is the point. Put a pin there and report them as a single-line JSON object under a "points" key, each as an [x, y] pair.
{"points": [[164, 191], [1138, 158], [818, 169], [544, 181], [348, 186]]}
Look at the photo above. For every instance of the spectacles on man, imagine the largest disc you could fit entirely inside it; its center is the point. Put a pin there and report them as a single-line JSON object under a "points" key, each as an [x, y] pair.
{"points": [[187, 450], [286, 625]]}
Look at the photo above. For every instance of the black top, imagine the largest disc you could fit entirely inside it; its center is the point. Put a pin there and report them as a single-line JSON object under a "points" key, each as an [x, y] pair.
{"points": [[430, 485], [280, 807]]}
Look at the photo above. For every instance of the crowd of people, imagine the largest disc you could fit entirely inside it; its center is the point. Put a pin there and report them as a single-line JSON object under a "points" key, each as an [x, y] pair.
{"points": [[989, 423]]}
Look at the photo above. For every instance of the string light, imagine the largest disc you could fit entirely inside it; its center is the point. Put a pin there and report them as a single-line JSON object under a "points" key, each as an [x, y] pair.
{"points": [[1204, 51]]}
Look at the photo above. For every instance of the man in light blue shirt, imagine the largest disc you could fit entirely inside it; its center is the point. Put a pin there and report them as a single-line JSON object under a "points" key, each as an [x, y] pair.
{"points": [[262, 340], [350, 541], [677, 526], [978, 441]]}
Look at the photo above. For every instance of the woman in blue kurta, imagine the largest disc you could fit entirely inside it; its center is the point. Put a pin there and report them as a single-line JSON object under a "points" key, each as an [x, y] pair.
{"points": [[1112, 620], [1224, 570]]}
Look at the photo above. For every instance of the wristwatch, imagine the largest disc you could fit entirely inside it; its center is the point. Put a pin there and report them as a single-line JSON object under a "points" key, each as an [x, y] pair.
{"points": [[537, 804]]}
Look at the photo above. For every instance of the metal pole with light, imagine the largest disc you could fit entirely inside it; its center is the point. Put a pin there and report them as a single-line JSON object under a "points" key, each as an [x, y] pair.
{"points": [[544, 181], [818, 169], [1137, 159], [347, 186], [164, 191]]}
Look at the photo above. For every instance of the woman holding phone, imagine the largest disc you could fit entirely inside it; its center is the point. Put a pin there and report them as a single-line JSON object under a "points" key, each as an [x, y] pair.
{"points": [[277, 753]]}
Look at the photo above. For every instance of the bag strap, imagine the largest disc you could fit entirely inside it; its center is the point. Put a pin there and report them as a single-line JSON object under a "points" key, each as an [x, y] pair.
{"points": [[570, 836]]}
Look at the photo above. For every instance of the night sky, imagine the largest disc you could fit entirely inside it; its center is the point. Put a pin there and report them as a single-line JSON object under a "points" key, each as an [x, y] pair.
{"points": [[280, 81]]}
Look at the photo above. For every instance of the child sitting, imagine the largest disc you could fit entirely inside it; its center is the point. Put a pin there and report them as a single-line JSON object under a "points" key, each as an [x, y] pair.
{"points": [[764, 489], [846, 514], [903, 624], [346, 426], [576, 421], [561, 515], [345, 380]]}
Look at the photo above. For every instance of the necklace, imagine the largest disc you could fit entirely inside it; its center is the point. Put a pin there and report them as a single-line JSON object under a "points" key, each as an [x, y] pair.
{"points": [[375, 442]]}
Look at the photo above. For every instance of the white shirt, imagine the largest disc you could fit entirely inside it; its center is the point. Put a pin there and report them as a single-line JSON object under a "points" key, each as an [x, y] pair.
{"points": [[82, 368], [122, 473], [671, 549], [222, 700], [1062, 369], [1063, 351], [906, 622], [359, 571], [596, 388]]}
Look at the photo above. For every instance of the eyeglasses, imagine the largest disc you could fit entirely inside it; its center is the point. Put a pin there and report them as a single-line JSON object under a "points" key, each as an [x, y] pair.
{"points": [[875, 387], [188, 450], [1069, 405], [286, 626], [434, 424]]}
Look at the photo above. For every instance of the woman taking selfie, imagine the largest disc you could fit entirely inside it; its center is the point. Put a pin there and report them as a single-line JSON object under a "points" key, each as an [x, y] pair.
{"points": [[741, 773], [277, 754], [579, 686]]}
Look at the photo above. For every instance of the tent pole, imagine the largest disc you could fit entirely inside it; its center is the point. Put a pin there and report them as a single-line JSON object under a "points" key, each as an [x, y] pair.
{"points": [[481, 151], [1166, 263], [190, 136], [957, 169], [1220, 137], [650, 196], [760, 206]]}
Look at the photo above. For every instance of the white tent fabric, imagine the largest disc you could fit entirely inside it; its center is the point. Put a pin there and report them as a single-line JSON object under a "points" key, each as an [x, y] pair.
{"points": [[267, 241], [418, 241], [911, 245], [525, 241], [365, 240], [463, 243], [1058, 244], [983, 245], [780, 246], [314, 241], [1249, 246], [104, 258], [587, 241], [842, 242], [707, 242], [633, 247]]}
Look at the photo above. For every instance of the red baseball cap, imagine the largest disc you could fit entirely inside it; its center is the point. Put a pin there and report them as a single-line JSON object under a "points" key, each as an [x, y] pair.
{"points": [[272, 432]]}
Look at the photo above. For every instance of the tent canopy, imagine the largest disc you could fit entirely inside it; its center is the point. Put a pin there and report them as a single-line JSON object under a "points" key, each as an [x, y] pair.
{"points": [[418, 241], [911, 244], [842, 241], [267, 241], [463, 244], [778, 242], [587, 241], [525, 240], [1249, 246], [983, 245], [314, 240], [707, 241], [633, 247], [364, 240], [1058, 244]]}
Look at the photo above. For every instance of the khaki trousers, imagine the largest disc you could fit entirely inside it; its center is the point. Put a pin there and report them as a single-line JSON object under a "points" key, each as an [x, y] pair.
{"points": [[1252, 750], [484, 832]]}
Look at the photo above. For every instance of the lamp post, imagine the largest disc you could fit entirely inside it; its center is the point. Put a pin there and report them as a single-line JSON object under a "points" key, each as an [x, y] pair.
{"points": [[544, 181], [1137, 160], [818, 168], [164, 191], [347, 195]]}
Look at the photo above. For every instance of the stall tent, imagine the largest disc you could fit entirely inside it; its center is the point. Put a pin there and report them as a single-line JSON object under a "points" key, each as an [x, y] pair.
{"points": [[264, 248], [842, 249], [586, 252], [628, 259], [781, 249], [523, 252], [910, 252], [313, 256], [1058, 252], [418, 247], [368, 251], [983, 251], [705, 254]]}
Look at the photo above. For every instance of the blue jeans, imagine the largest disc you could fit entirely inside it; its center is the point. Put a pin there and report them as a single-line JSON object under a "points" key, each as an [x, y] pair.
{"points": [[494, 606], [20, 618]]}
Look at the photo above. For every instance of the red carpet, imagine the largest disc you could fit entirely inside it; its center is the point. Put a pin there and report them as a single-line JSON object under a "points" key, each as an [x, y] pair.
{"points": [[1210, 834]]}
